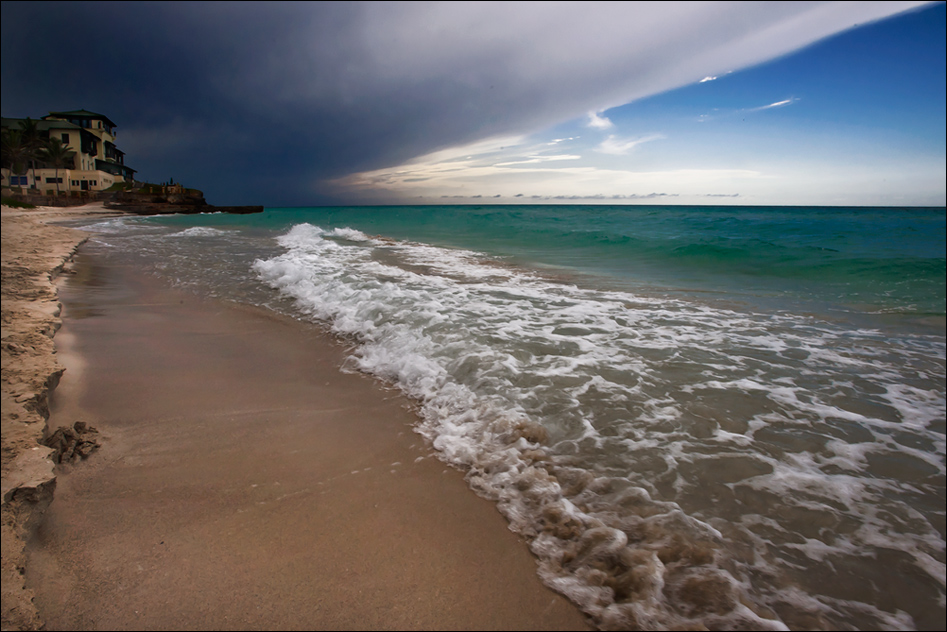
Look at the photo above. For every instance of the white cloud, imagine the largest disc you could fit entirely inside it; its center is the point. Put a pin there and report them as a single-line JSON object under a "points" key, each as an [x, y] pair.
{"points": [[538, 159], [565, 61], [777, 104], [535, 177], [621, 146], [771, 180], [556, 61], [706, 79], [599, 122], [450, 73], [717, 114], [467, 152]]}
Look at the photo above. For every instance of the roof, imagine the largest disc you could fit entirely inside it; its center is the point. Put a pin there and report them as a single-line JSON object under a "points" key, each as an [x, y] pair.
{"points": [[41, 124], [83, 114]]}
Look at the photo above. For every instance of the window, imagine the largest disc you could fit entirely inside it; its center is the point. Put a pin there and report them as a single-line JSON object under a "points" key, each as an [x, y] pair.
{"points": [[65, 139], [75, 183], [53, 180]]}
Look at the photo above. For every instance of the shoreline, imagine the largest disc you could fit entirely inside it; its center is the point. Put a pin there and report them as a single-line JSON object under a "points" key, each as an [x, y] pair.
{"points": [[352, 523], [34, 253]]}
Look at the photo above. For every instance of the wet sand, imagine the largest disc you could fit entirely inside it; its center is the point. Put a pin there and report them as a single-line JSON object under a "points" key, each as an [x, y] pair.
{"points": [[244, 482], [33, 254]]}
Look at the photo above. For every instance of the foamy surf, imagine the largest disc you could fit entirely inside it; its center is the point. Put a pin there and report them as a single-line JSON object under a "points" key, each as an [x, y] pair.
{"points": [[694, 419], [672, 463]]}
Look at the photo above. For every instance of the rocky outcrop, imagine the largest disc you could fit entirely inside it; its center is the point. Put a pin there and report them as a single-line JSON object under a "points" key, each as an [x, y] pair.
{"points": [[167, 199], [71, 444], [167, 208], [148, 199]]}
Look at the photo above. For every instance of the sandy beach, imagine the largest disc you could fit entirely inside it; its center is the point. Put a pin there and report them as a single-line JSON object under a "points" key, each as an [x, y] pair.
{"points": [[243, 482], [33, 255]]}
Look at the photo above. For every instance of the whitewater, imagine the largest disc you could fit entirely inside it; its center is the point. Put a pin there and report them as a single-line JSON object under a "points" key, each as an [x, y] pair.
{"points": [[728, 417]]}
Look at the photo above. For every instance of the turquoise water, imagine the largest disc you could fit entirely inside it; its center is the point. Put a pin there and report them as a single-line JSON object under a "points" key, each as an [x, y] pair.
{"points": [[860, 259], [696, 416]]}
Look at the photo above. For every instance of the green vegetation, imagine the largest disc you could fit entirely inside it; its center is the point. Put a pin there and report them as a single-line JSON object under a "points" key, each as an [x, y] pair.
{"points": [[121, 186], [153, 189], [23, 147], [33, 141], [12, 203], [16, 152], [56, 154]]}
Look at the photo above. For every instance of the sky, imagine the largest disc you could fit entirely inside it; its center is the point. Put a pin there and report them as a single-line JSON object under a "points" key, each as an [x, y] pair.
{"points": [[294, 104]]}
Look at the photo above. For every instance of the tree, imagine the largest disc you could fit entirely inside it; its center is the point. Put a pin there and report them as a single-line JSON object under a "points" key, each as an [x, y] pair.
{"points": [[34, 142], [16, 152], [57, 155]]}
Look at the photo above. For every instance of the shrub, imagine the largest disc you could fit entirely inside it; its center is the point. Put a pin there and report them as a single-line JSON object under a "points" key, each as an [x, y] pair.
{"points": [[14, 203]]}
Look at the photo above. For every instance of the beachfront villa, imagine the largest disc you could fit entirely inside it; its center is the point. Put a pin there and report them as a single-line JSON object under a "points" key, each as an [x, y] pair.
{"points": [[95, 164]]}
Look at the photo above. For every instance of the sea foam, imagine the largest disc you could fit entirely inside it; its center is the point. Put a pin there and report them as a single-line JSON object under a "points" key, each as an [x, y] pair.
{"points": [[641, 444]]}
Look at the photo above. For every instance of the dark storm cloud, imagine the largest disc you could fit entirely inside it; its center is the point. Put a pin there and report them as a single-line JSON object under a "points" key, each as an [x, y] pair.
{"points": [[194, 89], [261, 102]]}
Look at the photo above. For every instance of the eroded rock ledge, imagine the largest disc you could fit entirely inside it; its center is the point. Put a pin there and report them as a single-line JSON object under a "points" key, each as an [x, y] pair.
{"points": [[33, 254]]}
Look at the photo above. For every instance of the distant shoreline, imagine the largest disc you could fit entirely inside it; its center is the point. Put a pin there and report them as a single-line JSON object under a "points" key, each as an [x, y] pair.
{"points": [[162, 201]]}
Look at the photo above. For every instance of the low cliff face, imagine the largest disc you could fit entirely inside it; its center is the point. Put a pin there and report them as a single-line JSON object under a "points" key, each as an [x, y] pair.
{"points": [[33, 254], [150, 199], [168, 208], [156, 194], [156, 200], [166, 200]]}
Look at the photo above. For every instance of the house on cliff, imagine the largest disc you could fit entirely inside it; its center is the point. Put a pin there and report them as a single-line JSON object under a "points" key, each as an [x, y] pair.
{"points": [[96, 162]]}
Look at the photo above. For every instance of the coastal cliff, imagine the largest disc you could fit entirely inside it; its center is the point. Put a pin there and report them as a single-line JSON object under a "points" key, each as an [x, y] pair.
{"points": [[139, 199], [167, 199], [33, 254]]}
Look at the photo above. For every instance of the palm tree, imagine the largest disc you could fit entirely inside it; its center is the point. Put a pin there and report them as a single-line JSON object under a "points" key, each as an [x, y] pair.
{"points": [[34, 142], [57, 155], [16, 152]]}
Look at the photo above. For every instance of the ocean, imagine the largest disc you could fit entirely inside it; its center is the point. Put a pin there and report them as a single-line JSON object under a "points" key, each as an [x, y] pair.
{"points": [[731, 417]]}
